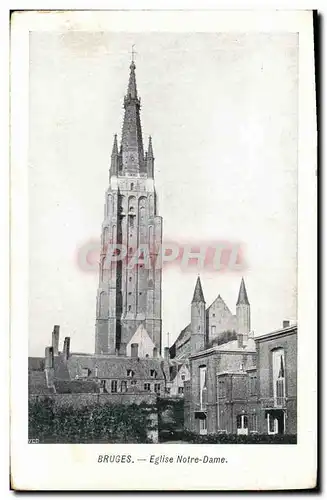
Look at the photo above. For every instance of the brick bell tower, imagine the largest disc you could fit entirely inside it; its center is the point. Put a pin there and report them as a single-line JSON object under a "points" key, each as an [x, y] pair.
{"points": [[128, 297]]}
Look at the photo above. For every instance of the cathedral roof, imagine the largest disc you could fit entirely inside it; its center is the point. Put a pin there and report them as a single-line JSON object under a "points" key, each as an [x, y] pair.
{"points": [[198, 293], [242, 296]]}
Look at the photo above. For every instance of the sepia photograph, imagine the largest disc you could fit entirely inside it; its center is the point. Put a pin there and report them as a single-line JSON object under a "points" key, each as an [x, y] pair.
{"points": [[162, 237]]}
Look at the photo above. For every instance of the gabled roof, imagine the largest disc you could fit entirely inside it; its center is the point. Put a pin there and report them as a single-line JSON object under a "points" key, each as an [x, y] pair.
{"points": [[144, 341], [220, 300]]}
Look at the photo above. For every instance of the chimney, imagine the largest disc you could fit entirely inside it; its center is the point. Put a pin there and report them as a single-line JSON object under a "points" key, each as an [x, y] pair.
{"points": [[286, 323], [166, 353], [122, 349], [66, 348], [49, 358], [155, 352], [55, 339], [242, 340], [134, 350], [49, 367]]}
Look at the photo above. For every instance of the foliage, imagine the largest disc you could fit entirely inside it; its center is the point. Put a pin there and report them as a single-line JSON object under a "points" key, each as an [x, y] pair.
{"points": [[170, 416], [236, 439], [223, 338], [107, 423]]}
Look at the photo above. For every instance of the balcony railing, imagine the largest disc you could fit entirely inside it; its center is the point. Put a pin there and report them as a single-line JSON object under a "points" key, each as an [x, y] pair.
{"points": [[277, 402]]}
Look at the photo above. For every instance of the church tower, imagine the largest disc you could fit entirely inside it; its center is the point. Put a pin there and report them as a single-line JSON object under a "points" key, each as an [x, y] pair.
{"points": [[198, 319], [129, 296], [243, 311]]}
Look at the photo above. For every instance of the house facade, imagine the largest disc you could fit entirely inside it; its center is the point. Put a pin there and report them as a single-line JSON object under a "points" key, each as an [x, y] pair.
{"points": [[277, 381], [244, 386]]}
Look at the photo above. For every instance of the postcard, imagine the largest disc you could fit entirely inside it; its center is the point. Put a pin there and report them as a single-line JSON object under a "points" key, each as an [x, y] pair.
{"points": [[163, 312]]}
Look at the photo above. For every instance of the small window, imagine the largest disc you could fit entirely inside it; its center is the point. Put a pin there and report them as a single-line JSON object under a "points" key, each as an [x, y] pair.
{"points": [[130, 373], [130, 279], [114, 386], [129, 293], [133, 382], [254, 422], [103, 386], [147, 387], [242, 421], [123, 386], [132, 186], [168, 390], [129, 308], [85, 372], [157, 388], [153, 374], [213, 330], [213, 315], [183, 377], [181, 390]]}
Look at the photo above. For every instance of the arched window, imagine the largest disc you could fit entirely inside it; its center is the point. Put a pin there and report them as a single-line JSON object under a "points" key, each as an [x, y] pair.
{"points": [[278, 371], [242, 424], [203, 385], [132, 186]]}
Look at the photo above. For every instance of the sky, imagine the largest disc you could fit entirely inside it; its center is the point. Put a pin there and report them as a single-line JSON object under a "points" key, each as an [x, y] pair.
{"points": [[222, 110]]}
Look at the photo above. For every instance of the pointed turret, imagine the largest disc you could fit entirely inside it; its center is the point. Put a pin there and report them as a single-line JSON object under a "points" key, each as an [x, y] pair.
{"points": [[150, 159], [132, 142], [198, 293], [243, 315], [114, 158], [242, 296], [198, 319]]}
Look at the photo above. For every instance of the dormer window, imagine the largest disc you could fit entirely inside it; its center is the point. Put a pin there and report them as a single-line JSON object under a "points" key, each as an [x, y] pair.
{"points": [[130, 373], [153, 374]]}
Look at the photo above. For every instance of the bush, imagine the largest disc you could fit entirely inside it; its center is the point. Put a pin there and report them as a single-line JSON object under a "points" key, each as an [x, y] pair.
{"points": [[235, 439], [170, 417], [92, 424]]}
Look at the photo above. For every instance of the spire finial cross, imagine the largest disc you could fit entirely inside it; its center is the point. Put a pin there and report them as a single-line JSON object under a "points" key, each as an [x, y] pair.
{"points": [[133, 52]]}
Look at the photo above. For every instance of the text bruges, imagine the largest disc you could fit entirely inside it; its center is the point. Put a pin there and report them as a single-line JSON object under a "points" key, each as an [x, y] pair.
{"points": [[119, 459]]}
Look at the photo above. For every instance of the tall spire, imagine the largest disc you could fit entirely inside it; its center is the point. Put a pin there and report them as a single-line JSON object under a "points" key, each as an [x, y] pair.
{"points": [[132, 143], [114, 158], [242, 296], [150, 160], [150, 150], [132, 90], [198, 293]]}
